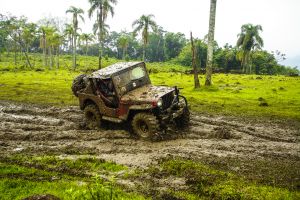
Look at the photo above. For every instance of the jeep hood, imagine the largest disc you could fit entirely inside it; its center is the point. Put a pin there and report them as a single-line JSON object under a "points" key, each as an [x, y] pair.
{"points": [[146, 93]]}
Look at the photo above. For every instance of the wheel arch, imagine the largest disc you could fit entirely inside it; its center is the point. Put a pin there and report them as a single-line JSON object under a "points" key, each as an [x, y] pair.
{"points": [[86, 102]]}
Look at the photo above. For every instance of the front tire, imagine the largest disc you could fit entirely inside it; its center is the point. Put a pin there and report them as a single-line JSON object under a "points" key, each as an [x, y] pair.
{"points": [[145, 125], [92, 116], [183, 120]]}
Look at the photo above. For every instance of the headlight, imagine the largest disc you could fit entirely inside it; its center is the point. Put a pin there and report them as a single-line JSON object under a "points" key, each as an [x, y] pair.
{"points": [[159, 102]]}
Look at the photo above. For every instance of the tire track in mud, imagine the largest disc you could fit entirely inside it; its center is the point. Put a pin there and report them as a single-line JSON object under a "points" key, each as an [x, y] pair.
{"points": [[43, 130]]}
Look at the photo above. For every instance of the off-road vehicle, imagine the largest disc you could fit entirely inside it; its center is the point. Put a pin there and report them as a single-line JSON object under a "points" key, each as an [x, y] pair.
{"points": [[123, 92]]}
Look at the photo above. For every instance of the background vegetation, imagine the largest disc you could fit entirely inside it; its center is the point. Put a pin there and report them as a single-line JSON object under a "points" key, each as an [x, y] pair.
{"points": [[52, 37]]}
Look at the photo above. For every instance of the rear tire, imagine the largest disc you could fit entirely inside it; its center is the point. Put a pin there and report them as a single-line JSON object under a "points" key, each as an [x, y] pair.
{"points": [[78, 84], [92, 116], [145, 125], [183, 120]]}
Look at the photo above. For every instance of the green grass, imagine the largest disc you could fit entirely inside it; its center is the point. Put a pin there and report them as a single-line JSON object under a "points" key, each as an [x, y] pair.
{"points": [[22, 176], [207, 183], [239, 95]]}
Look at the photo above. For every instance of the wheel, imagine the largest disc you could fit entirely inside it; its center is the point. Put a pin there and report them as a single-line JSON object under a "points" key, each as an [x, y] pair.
{"points": [[92, 116], [78, 84], [183, 120], [145, 125]]}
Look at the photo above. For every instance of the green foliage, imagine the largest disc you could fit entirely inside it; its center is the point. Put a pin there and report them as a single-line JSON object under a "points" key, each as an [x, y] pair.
{"points": [[207, 183], [185, 56], [23, 176], [17, 36], [174, 42]]}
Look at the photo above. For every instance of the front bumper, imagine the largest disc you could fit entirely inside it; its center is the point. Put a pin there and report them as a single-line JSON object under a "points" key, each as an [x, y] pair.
{"points": [[174, 111]]}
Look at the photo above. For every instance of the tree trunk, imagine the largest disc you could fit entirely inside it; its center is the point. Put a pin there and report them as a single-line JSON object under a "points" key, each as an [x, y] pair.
{"points": [[57, 59], [15, 56], [50, 54], [44, 51], [210, 45], [74, 52], [194, 53], [100, 24], [124, 51], [144, 52], [100, 54], [27, 59], [86, 51]]}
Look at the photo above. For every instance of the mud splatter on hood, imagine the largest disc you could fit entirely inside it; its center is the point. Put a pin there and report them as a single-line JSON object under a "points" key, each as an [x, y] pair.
{"points": [[147, 93]]}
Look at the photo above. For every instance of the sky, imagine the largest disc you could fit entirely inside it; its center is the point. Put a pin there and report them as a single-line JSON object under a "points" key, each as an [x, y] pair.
{"points": [[280, 19]]}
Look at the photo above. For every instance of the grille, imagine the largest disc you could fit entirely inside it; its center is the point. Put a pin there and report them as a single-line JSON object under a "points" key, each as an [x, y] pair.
{"points": [[167, 100]]}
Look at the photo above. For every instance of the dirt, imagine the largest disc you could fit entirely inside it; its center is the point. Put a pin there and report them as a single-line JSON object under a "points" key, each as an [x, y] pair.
{"points": [[261, 149]]}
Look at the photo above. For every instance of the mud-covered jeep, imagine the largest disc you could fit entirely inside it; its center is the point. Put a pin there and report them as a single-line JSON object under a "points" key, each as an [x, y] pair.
{"points": [[123, 92]]}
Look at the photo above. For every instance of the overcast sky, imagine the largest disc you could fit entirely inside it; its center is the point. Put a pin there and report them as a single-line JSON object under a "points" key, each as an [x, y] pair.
{"points": [[280, 19]]}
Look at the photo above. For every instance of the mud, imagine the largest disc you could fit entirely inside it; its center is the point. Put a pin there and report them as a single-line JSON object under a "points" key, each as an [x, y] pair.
{"points": [[230, 143]]}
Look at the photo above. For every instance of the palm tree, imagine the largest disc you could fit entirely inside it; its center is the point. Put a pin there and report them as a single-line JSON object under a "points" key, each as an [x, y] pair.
{"points": [[50, 42], [68, 32], [123, 42], [86, 37], [248, 40], [102, 8], [144, 23], [44, 32], [77, 12], [210, 45]]}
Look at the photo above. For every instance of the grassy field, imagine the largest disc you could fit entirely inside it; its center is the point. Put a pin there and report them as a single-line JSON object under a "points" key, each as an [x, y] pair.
{"points": [[231, 94], [246, 96]]}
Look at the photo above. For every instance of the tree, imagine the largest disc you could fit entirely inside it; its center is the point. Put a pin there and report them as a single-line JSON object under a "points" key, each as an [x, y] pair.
{"points": [[4, 32], [43, 43], [77, 12], [248, 40], [123, 42], [102, 8], [144, 23], [174, 42], [86, 37], [16, 32], [68, 32], [29, 35], [194, 53], [210, 45]]}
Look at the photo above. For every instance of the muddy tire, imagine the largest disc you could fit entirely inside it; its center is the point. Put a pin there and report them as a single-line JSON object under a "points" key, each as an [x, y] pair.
{"points": [[78, 84], [183, 120], [145, 125], [92, 117]]}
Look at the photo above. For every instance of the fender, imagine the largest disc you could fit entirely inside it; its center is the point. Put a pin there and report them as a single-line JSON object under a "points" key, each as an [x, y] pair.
{"points": [[125, 109]]}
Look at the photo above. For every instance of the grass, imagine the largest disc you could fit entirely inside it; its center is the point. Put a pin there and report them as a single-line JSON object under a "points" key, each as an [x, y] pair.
{"points": [[207, 183], [239, 95], [23, 176]]}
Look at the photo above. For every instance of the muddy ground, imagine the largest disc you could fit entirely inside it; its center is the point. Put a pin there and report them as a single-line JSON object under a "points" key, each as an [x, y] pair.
{"points": [[266, 151]]}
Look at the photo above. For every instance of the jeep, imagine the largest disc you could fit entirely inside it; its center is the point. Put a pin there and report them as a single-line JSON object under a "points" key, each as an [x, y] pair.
{"points": [[123, 92]]}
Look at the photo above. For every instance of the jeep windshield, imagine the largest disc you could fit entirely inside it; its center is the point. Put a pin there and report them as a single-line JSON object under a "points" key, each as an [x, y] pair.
{"points": [[131, 79]]}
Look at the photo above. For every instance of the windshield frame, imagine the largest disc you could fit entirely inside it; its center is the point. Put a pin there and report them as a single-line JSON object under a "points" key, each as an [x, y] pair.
{"points": [[137, 83]]}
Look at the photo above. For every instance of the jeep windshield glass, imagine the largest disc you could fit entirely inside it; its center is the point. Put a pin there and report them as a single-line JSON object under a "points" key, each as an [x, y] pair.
{"points": [[128, 80]]}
